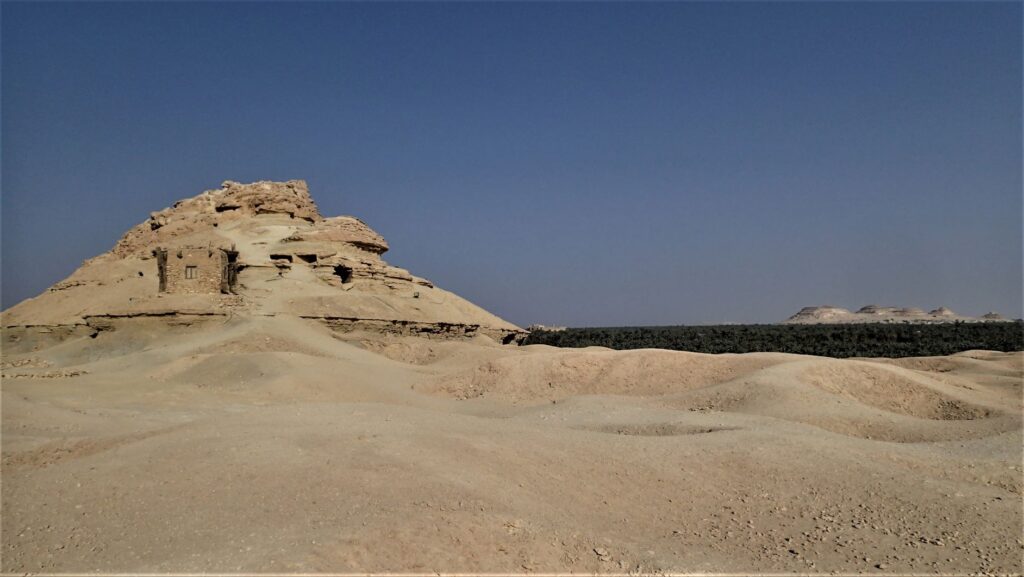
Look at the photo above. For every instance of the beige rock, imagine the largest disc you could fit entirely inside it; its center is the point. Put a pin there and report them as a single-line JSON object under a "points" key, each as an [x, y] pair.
{"points": [[880, 314], [818, 314], [285, 259], [344, 229], [265, 197]]}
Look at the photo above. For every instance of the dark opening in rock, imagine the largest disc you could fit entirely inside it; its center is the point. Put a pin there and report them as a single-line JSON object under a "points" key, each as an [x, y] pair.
{"points": [[286, 257], [344, 273], [310, 258], [230, 274]]}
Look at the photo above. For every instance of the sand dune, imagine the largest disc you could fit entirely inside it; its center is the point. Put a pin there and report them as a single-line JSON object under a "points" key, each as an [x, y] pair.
{"points": [[270, 443]]}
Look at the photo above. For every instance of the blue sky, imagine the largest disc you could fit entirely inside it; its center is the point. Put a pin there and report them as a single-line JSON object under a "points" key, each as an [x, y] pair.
{"points": [[560, 163]]}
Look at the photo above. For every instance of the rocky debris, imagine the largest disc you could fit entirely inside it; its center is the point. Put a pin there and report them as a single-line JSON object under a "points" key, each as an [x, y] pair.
{"points": [[28, 363], [58, 374], [66, 284], [881, 314], [420, 329]]}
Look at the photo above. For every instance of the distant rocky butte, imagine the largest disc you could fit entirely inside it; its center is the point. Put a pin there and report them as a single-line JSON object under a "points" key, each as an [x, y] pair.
{"points": [[828, 314], [250, 249]]}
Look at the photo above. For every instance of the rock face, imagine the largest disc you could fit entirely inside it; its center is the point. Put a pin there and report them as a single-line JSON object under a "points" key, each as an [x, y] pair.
{"points": [[879, 314], [256, 249], [291, 198], [231, 202], [344, 229], [819, 314]]}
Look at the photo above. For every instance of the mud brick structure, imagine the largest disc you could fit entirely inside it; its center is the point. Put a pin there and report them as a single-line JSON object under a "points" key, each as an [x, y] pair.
{"points": [[196, 270]]}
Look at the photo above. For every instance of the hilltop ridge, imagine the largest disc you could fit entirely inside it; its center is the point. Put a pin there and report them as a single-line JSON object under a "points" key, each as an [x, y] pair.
{"points": [[827, 314]]}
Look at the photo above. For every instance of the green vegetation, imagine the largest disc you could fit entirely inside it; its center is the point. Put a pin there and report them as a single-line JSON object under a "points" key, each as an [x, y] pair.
{"points": [[839, 340]]}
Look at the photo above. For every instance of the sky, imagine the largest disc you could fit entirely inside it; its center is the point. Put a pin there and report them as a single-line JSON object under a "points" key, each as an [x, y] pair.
{"points": [[581, 164]]}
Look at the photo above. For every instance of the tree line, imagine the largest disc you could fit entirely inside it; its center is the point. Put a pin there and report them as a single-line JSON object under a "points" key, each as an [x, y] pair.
{"points": [[827, 340]]}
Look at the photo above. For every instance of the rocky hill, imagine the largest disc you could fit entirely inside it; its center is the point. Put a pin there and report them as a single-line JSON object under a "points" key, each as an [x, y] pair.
{"points": [[878, 314], [250, 249]]}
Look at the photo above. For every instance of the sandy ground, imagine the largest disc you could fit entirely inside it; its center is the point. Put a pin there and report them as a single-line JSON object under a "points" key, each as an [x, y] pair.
{"points": [[270, 444]]}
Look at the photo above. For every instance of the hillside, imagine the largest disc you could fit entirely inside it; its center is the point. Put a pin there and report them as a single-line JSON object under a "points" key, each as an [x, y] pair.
{"points": [[259, 249]]}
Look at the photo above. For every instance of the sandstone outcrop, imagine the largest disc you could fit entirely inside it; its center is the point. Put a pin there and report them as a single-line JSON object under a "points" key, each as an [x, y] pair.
{"points": [[819, 314], [291, 198], [880, 314], [343, 229], [197, 216], [255, 249]]}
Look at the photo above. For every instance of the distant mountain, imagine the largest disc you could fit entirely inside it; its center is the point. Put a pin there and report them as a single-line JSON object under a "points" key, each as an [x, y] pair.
{"points": [[828, 314]]}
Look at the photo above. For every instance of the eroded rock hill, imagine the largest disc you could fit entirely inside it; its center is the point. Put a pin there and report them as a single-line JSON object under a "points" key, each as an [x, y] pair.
{"points": [[251, 249], [828, 314]]}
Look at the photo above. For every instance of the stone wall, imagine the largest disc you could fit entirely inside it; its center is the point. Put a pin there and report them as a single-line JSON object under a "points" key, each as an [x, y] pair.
{"points": [[190, 270]]}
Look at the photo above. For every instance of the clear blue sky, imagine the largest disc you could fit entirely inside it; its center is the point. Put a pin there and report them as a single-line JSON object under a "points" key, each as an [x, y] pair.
{"points": [[561, 163]]}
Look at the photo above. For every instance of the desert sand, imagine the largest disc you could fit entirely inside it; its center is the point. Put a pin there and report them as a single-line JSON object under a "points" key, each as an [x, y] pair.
{"points": [[301, 423], [274, 445]]}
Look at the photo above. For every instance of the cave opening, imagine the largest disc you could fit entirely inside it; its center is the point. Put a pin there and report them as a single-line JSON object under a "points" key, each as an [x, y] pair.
{"points": [[344, 273]]}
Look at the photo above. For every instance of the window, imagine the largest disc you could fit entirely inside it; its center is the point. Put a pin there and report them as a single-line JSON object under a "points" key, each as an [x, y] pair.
{"points": [[190, 272]]}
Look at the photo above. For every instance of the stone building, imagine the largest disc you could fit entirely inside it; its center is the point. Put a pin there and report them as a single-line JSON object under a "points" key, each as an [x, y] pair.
{"points": [[196, 270]]}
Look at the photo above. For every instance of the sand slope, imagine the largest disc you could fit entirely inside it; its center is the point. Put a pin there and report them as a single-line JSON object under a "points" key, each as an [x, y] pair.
{"points": [[273, 444]]}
